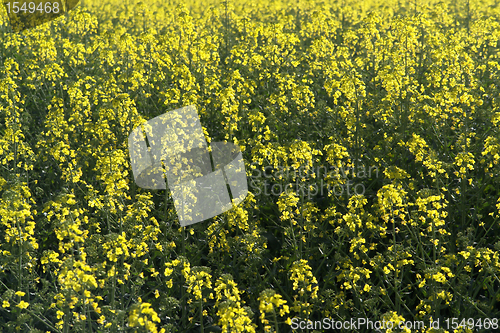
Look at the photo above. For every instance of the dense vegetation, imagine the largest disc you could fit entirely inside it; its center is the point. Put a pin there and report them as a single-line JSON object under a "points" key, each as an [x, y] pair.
{"points": [[382, 117]]}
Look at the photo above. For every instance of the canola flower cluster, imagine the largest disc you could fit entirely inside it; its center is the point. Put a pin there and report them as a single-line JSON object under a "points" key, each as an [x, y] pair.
{"points": [[409, 88]]}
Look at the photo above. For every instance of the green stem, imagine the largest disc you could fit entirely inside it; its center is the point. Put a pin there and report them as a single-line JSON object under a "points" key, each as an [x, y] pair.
{"points": [[435, 267], [275, 321], [396, 284], [301, 235], [183, 299], [201, 316], [20, 284]]}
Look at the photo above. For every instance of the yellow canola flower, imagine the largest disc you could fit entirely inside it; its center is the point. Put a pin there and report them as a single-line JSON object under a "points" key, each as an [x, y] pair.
{"points": [[23, 305]]}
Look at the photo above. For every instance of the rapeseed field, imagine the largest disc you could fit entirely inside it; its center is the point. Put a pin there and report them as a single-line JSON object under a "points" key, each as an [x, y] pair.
{"points": [[370, 132]]}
